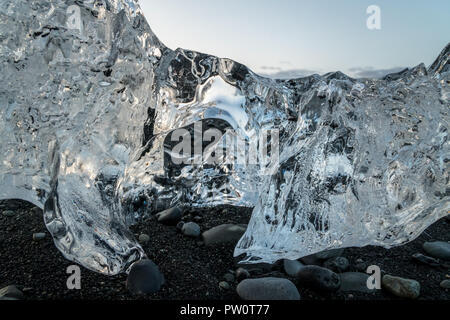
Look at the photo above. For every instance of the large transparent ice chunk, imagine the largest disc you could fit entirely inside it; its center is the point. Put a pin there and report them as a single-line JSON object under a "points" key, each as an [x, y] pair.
{"points": [[92, 105], [368, 164]]}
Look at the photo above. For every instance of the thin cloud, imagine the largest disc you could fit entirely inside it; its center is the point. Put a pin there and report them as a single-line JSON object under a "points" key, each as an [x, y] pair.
{"points": [[270, 68], [356, 72], [288, 74], [370, 72]]}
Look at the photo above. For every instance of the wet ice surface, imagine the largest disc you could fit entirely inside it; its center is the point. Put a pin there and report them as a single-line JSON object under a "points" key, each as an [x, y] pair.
{"points": [[88, 112]]}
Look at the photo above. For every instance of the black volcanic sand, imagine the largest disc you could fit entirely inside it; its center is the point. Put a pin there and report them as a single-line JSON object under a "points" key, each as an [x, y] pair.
{"points": [[192, 270]]}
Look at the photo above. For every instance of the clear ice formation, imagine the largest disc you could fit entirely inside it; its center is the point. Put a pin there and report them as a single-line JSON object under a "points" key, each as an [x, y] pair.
{"points": [[89, 97]]}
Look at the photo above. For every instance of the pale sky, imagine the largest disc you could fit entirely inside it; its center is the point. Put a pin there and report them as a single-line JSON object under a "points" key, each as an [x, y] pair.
{"points": [[297, 37]]}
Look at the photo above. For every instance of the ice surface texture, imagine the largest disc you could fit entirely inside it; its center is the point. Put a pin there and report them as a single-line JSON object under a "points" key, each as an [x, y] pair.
{"points": [[86, 116]]}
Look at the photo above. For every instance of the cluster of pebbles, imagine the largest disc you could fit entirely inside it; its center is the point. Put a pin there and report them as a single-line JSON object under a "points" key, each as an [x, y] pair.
{"points": [[325, 271], [190, 256]]}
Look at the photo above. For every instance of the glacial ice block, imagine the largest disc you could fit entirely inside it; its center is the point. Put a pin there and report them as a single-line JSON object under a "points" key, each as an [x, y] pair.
{"points": [[367, 164], [92, 105]]}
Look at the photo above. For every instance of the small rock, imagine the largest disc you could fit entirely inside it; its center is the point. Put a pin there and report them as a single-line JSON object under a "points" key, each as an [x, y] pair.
{"points": [[225, 233], [361, 266], [180, 225], [170, 216], [242, 274], [39, 236], [445, 284], [198, 218], [191, 229], [258, 268], [338, 264], [328, 254], [311, 260], [400, 287], [291, 267], [354, 281], [267, 289], [426, 260], [144, 278], [317, 258], [144, 238], [224, 285], [8, 213], [438, 249], [228, 277], [10, 293], [318, 278]]}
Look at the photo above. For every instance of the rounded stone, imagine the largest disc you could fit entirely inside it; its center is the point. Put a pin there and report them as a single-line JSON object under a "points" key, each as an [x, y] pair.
{"points": [[426, 260], [144, 278], [337, 264], [242, 274], [224, 285], [144, 238], [354, 281], [180, 226], [191, 229], [328, 254], [267, 289], [311, 260], [319, 278], [438, 249], [361, 266], [292, 267], [170, 216], [39, 236], [229, 277], [400, 287], [445, 284], [225, 233]]}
